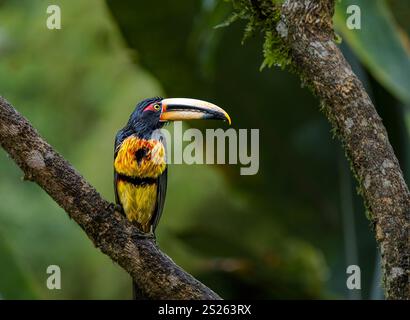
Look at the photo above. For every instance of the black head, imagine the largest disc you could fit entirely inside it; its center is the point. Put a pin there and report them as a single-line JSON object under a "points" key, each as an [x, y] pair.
{"points": [[146, 117], [151, 114]]}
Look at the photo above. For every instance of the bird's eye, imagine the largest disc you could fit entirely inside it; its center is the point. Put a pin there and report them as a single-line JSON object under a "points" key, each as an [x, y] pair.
{"points": [[157, 107]]}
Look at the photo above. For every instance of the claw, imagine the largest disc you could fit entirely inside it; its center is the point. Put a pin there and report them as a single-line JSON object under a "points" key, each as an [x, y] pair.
{"points": [[119, 208], [146, 235], [115, 207]]}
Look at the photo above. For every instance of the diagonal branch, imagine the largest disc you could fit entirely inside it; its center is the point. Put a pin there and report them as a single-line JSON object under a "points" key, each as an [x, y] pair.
{"points": [[154, 272], [304, 38]]}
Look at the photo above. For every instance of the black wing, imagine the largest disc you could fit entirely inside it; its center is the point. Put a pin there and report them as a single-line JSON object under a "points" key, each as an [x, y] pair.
{"points": [[161, 193], [119, 138]]}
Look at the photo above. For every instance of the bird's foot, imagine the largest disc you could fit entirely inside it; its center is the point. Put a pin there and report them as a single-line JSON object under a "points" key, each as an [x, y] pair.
{"points": [[119, 208], [115, 207], [146, 235]]}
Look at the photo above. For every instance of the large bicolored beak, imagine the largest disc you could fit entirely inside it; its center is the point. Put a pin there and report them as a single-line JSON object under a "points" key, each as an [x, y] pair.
{"points": [[186, 109]]}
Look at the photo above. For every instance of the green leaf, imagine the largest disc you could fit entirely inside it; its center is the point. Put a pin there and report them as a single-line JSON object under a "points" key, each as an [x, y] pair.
{"points": [[378, 44]]}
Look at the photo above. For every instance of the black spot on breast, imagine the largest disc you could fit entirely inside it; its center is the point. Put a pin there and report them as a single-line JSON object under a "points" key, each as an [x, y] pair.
{"points": [[140, 154]]}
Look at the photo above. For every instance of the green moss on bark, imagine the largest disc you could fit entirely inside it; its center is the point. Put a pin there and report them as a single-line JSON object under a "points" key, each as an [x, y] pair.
{"points": [[263, 16]]}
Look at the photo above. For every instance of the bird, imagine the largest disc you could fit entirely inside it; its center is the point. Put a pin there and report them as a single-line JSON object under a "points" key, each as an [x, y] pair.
{"points": [[140, 162]]}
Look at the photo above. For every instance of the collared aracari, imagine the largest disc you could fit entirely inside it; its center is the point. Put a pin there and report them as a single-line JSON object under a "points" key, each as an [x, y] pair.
{"points": [[140, 168]]}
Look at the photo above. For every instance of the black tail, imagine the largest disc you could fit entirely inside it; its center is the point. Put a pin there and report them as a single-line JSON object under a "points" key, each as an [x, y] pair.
{"points": [[137, 294]]}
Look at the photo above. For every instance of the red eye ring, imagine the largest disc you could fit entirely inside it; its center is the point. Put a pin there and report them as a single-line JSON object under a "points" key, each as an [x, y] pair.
{"points": [[155, 107]]}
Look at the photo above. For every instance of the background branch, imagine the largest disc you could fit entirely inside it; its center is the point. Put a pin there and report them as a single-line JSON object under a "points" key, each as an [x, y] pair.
{"points": [[154, 272], [359, 127], [303, 38]]}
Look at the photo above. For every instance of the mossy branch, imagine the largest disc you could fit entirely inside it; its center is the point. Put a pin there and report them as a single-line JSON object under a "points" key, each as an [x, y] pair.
{"points": [[299, 35]]}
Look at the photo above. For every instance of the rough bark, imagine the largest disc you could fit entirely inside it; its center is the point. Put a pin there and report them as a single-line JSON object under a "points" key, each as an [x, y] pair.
{"points": [[310, 37], [155, 273]]}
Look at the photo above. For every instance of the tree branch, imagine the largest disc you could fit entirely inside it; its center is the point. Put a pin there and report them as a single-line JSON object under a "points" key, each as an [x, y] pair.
{"points": [[304, 28], [154, 272]]}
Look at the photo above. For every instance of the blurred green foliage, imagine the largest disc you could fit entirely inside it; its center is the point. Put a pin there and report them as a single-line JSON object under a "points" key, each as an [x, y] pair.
{"points": [[378, 23], [278, 234]]}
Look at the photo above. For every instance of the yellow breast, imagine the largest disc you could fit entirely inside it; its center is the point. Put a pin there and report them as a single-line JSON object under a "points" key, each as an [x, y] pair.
{"points": [[139, 159], [150, 166], [138, 202]]}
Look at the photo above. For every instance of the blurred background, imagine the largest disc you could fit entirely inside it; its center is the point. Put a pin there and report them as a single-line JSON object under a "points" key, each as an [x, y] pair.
{"points": [[288, 232]]}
